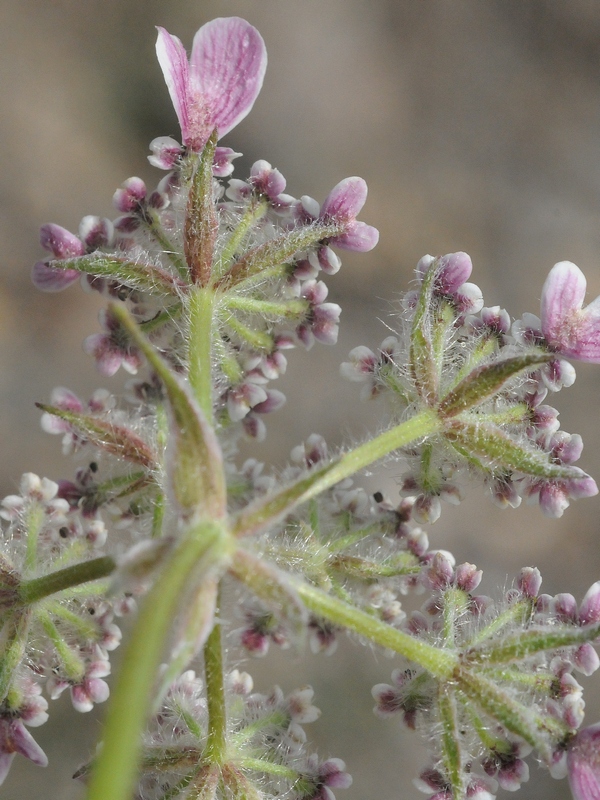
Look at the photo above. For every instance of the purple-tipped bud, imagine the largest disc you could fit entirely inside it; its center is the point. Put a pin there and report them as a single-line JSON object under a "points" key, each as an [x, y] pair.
{"points": [[565, 607], [223, 161], [454, 269], [275, 400], [60, 242], [530, 581], [440, 574], [95, 232], [166, 152], [496, 318], [468, 577], [130, 195], [342, 205], [589, 611]]}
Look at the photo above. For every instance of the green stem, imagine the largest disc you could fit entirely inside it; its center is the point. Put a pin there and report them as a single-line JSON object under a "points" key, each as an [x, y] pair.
{"points": [[265, 511], [216, 747], [37, 588], [439, 663], [201, 308], [201, 551]]}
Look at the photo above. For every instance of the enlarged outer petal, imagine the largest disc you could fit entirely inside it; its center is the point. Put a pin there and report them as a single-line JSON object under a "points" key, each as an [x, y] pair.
{"points": [[52, 279], [60, 242], [345, 200], [571, 329], [454, 269], [343, 204], [15, 738], [359, 237], [227, 68], [583, 764], [174, 64]]}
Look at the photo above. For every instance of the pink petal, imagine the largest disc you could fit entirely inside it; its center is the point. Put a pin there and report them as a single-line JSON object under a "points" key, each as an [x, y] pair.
{"points": [[227, 68], [6, 760], [23, 742], [345, 200], [52, 279], [359, 237], [454, 270], [562, 295], [573, 331], [583, 764], [589, 611], [60, 242], [174, 64]]}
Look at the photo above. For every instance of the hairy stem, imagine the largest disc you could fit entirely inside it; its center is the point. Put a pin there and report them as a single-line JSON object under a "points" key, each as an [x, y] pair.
{"points": [[215, 694], [200, 552], [37, 588], [271, 508]]}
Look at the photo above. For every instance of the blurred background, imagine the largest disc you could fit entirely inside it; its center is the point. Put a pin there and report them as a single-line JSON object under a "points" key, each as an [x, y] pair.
{"points": [[476, 126]]}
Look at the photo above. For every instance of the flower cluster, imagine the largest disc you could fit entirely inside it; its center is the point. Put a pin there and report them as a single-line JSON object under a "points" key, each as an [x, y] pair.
{"points": [[514, 690], [210, 279], [488, 380]]}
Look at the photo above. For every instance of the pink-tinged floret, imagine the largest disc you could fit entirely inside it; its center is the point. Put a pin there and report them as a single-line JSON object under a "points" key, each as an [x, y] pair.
{"points": [[218, 86], [569, 328], [62, 244], [342, 205]]}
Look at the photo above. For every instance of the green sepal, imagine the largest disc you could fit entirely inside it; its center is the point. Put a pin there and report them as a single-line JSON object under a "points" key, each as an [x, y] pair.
{"points": [[201, 224], [492, 443], [195, 459], [150, 278], [517, 646], [486, 380], [114, 439]]}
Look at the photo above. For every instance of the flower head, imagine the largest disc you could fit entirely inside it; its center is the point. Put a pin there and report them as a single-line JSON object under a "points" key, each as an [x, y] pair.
{"points": [[218, 86], [569, 328]]}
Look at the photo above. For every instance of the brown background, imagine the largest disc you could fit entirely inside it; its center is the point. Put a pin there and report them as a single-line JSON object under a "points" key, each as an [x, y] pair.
{"points": [[477, 127]]}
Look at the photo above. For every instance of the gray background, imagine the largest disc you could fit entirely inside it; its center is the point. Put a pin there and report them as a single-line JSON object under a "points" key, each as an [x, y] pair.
{"points": [[477, 127]]}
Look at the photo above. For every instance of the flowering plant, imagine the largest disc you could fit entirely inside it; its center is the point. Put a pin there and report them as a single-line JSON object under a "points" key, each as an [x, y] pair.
{"points": [[209, 279]]}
